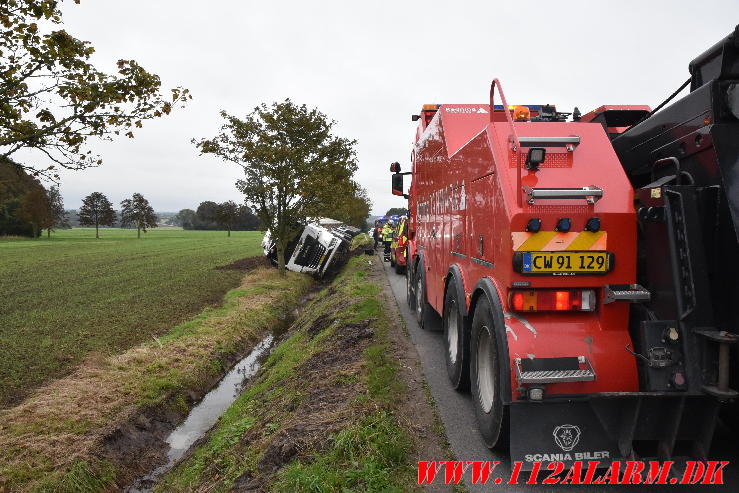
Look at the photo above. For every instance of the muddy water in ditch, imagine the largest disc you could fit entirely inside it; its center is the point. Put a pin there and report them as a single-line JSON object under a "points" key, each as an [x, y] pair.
{"points": [[206, 413]]}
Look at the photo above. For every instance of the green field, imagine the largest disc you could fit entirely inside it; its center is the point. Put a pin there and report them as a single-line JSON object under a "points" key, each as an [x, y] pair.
{"points": [[72, 297]]}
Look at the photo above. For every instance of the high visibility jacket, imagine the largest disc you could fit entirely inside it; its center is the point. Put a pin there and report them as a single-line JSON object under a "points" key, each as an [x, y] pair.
{"points": [[387, 233]]}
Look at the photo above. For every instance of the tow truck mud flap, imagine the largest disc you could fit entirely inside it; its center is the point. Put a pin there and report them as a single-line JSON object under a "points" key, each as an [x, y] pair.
{"points": [[559, 432], [606, 428]]}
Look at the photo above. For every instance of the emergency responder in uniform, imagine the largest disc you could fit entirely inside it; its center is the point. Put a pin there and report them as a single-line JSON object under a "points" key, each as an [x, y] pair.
{"points": [[387, 238], [377, 233]]}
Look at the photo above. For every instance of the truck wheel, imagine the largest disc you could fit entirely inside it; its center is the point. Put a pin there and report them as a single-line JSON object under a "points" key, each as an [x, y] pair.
{"points": [[399, 269], [491, 414], [422, 307], [456, 342], [410, 296]]}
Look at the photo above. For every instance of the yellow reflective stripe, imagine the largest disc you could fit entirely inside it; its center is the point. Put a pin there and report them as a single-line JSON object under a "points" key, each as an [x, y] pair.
{"points": [[559, 242], [551, 241], [537, 241], [585, 240]]}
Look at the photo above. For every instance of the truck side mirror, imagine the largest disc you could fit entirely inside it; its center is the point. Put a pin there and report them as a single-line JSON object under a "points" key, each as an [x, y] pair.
{"points": [[398, 184]]}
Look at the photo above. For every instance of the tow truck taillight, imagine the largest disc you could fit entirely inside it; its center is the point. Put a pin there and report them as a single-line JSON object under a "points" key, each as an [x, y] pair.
{"points": [[553, 300]]}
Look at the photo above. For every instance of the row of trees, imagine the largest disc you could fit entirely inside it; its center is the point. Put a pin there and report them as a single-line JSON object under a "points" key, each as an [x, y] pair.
{"points": [[211, 216], [52, 100], [98, 211], [396, 211], [27, 208]]}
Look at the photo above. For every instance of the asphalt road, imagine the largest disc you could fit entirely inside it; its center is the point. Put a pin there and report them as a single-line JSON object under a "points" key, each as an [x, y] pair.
{"points": [[456, 412]]}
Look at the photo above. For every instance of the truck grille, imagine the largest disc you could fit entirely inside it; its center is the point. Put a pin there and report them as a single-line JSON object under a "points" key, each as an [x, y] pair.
{"points": [[315, 256]]}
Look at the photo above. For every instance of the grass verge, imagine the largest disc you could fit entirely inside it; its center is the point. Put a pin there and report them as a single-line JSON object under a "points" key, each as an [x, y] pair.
{"points": [[87, 431]]}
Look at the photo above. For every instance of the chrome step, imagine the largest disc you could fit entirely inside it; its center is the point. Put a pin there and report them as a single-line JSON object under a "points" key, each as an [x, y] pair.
{"points": [[570, 140], [633, 293], [591, 194], [586, 374]]}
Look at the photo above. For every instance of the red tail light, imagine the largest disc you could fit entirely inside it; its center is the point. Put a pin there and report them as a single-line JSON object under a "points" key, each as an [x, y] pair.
{"points": [[517, 301], [553, 300]]}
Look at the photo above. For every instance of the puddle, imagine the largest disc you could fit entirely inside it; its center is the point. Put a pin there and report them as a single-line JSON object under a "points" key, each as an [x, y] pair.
{"points": [[203, 416]]}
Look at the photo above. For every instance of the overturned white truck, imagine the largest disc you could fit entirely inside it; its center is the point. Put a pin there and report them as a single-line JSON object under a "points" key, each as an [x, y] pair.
{"points": [[318, 248]]}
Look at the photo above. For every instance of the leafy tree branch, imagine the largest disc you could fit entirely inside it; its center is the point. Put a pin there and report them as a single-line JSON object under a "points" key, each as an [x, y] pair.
{"points": [[52, 99]]}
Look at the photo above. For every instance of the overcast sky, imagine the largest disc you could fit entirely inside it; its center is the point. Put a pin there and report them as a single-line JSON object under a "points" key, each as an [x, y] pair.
{"points": [[369, 66]]}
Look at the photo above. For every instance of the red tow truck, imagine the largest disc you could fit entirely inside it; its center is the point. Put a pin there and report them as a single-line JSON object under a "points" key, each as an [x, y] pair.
{"points": [[564, 277]]}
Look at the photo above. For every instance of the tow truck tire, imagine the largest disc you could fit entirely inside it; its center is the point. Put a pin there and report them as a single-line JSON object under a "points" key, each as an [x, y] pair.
{"points": [[419, 287], [491, 414], [456, 342], [410, 296], [399, 269]]}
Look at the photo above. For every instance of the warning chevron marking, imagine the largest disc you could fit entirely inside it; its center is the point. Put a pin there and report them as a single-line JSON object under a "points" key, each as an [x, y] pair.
{"points": [[551, 241]]}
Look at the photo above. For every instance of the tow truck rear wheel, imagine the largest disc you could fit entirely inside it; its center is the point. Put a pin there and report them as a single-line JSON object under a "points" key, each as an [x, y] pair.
{"points": [[456, 342], [491, 414], [419, 287], [410, 296]]}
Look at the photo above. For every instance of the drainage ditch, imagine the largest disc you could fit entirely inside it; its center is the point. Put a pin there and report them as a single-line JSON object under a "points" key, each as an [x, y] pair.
{"points": [[205, 414], [180, 443]]}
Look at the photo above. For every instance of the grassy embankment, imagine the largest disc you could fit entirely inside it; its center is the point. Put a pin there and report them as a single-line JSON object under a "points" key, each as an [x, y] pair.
{"points": [[72, 296], [324, 414]]}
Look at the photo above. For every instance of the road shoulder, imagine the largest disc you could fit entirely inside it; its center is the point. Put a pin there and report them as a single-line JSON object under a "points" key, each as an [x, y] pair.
{"points": [[419, 410]]}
